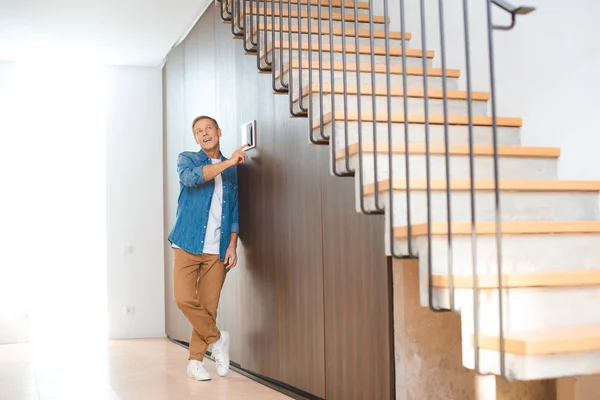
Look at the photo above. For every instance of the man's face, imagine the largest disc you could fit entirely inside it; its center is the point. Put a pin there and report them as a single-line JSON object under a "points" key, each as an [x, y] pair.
{"points": [[207, 135]]}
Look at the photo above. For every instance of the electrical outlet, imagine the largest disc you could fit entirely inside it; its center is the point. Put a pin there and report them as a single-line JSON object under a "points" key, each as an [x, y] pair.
{"points": [[129, 310], [127, 249]]}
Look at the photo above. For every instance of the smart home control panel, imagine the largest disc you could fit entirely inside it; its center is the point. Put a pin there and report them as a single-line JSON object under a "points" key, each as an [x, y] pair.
{"points": [[248, 134]]}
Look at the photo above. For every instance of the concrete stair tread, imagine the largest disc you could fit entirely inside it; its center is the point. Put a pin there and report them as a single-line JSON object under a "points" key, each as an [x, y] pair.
{"points": [[506, 228], [455, 150], [315, 15], [395, 91], [433, 119], [546, 341], [488, 185], [349, 32], [520, 280], [338, 48], [366, 68]]}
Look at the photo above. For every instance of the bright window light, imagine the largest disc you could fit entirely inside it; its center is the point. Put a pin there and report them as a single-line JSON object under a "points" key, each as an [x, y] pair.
{"points": [[53, 136]]}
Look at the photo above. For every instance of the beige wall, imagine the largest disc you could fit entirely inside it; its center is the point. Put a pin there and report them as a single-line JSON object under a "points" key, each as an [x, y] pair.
{"points": [[578, 388]]}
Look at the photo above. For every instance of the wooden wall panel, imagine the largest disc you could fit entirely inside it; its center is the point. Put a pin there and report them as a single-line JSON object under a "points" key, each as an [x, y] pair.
{"points": [[358, 337], [312, 272]]}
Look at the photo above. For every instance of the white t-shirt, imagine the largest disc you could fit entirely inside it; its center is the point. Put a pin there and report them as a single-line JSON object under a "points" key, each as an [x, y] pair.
{"points": [[212, 241]]}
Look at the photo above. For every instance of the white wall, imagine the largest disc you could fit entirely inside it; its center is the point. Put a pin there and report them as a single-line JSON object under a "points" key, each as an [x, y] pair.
{"points": [[52, 167], [14, 322], [134, 203], [547, 69], [81, 173]]}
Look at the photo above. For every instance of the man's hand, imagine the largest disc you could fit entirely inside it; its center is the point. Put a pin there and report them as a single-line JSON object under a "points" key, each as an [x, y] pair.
{"points": [[238, 156], [230, 258], [210, 171]]}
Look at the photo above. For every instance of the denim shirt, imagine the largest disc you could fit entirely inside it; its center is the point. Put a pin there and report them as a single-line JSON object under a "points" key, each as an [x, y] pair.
{"points": [[193, 205]]}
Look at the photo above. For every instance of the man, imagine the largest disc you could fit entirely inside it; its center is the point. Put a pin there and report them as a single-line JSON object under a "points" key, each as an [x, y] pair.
{"points": [[204, 240]]}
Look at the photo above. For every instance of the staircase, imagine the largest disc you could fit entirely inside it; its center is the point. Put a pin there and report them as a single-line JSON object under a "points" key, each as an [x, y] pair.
{"points": [[483, 214]]}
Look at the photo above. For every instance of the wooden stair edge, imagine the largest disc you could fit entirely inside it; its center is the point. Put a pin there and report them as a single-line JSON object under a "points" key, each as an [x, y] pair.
{"points": [[433, 119], [366, 68], [524, 185], [548, 341], [396, 91], [337, 48], [349, 32], [362, 18], [454, 150], [520, 280], [506, 228], [348, 4], [361, 5]]}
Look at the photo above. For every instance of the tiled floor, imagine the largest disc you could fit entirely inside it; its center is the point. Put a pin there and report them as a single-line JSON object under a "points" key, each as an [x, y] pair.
{"points": [[148, 369]]}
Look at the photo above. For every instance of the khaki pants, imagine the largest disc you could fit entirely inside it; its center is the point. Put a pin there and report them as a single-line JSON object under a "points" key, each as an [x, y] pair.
{"points": [[198, 279]]}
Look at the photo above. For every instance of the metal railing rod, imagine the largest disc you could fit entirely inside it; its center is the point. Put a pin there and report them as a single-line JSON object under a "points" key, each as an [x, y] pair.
{"points": [[230, 12], [281, 73], [472, 185], [273, 69], [323, 138], [497, 209], [348, 171], [261, 47], [301, 105], [447, 158], [427, 160], [377, 206], [359, 122], [236, 27], [311, 112], [250, 35], [406, 149]]}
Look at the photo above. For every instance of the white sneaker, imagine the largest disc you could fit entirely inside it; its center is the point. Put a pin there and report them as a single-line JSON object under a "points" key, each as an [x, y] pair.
{"points": [[197, 371], [221, 353]]}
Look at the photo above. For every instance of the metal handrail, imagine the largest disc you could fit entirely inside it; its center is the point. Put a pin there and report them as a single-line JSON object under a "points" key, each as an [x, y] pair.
{"points": [[512, 10]]}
